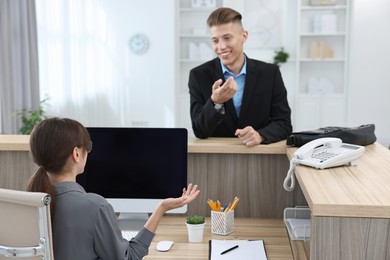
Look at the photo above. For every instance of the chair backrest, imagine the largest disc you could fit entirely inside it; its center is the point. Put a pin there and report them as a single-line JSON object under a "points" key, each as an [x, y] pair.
{"points": [[25, 225]]}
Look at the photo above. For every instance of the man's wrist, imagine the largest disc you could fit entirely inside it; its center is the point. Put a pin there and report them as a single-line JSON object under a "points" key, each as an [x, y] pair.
{"points": [[220, 108]]}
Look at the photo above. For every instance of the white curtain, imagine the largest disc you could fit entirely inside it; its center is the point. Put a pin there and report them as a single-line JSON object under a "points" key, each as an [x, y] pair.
{"points": [[88, 71], [19, 80], [79, 67]]}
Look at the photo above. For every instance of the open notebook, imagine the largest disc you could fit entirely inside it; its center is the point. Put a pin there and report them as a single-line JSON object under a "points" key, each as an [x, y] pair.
{"points": [[247, 249]]}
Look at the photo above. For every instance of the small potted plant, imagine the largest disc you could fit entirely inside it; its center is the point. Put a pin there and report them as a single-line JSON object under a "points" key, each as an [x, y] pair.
{"points": [[280, 56], [30, 117], [195, 227]]}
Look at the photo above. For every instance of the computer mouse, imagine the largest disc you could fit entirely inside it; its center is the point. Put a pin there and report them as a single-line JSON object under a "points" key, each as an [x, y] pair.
{"points": [[164, 245]]}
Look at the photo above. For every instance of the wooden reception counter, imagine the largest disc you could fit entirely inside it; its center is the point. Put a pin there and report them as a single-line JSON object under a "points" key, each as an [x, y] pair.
{"points": [[350, 205], [14, 143], [222, 167], [225, 168], [16, 165]]}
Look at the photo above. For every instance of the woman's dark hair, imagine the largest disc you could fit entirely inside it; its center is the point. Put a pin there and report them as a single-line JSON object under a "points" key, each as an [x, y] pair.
{"points": [[223, 15], [51, 143]]}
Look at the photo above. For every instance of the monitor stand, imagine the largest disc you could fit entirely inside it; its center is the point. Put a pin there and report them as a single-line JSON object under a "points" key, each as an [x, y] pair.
{"points": [[132, 221]]}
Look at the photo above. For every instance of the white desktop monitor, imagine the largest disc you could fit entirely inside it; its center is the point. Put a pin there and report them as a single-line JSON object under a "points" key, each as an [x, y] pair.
{"points": [[135, 168]]}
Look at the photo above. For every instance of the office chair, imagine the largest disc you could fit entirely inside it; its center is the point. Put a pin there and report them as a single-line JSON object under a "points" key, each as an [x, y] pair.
{"points": [[25, 226]]}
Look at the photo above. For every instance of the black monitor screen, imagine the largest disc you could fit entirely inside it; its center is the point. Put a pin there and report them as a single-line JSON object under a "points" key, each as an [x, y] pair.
{"points": [[136, 163]]}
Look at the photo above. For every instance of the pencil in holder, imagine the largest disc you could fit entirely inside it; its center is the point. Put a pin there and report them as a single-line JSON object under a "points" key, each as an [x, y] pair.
{"points": [[222, 223]]}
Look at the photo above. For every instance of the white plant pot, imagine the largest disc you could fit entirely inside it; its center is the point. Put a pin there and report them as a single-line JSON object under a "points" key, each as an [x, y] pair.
{"points": [[195, 232]]}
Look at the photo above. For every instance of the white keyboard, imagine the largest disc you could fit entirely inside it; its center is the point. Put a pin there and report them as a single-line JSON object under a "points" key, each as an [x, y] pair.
{"points": [[128, 235]]}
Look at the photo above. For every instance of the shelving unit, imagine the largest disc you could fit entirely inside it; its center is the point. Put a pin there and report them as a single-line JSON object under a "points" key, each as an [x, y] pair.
{"points": [[192, 31], [321, 64], [321, 103]]}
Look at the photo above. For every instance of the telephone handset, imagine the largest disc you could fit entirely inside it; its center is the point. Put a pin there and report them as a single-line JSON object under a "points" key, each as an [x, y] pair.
{"points": [[323, 153]]}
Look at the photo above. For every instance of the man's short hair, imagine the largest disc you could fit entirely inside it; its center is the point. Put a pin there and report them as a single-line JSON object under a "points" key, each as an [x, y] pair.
{"points": [[223, 15]]}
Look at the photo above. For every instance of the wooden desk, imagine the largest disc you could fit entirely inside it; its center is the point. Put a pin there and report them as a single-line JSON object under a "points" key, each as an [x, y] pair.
{"points": [[350, 207], [224, 168], [272, 231], [16, 165]]}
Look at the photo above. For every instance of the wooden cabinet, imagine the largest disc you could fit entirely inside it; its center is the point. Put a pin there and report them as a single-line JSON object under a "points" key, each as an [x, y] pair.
{"points": [[317, 110]]}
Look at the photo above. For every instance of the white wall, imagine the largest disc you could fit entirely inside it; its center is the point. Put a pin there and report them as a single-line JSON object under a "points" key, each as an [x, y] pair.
{"points": [[369, 74]]}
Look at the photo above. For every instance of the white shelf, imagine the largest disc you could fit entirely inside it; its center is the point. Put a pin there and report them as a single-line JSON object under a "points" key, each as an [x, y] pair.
{"points": [[335, 95], [191, 28], [323, 34], [194, 36], [192, 10], [323, 7], [321, 83], [322, 60], [191, 61]]}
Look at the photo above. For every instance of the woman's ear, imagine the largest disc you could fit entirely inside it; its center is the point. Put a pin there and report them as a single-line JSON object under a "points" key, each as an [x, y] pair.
{"points": [[76, 154]]}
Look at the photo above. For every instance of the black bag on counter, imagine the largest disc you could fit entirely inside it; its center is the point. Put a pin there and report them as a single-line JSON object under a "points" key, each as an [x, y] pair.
{"points": [[361, 135]]}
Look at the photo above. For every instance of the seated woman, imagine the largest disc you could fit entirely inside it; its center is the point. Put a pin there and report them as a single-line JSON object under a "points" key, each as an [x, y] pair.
{"points": [[84, 224]]}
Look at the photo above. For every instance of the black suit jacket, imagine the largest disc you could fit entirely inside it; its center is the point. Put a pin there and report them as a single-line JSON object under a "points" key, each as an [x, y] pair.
{"points": [[264, 103]]}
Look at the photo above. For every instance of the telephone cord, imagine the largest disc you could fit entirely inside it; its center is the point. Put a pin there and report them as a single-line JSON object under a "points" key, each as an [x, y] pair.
{"points": [[290, 176]]}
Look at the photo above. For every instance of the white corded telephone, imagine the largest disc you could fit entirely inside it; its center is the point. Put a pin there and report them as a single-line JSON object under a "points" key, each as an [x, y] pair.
{"points": [[323, 153]]}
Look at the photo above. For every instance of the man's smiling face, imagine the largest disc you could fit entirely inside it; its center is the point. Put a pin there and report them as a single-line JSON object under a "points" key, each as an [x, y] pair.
{"points": [[228, 44]]}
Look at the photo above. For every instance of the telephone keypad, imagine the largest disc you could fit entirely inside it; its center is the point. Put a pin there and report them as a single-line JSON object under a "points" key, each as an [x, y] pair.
{"points": [[323, 156]]}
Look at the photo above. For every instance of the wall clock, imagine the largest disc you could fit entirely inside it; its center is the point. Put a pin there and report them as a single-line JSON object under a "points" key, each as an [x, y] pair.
{"points": [[139, 43]]}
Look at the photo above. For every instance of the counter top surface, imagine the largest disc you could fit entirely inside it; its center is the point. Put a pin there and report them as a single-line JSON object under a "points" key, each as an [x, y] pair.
{"points": [[362, 190], [210, 145], [14, 142], [233, 145]]}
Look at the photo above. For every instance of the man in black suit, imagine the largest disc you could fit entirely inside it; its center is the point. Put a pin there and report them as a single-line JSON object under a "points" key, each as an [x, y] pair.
{"points": [[233, 95]]}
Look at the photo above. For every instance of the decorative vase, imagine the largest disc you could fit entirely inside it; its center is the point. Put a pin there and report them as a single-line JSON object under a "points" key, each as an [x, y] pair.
{"points": [[195, 232]]}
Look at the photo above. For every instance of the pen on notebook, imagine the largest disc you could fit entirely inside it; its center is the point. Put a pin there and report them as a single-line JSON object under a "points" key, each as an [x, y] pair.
{"points": [[230, 249]]}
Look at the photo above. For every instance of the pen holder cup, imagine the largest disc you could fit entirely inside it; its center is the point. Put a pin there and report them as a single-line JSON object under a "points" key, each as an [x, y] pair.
{"points": [[222, 223]]}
